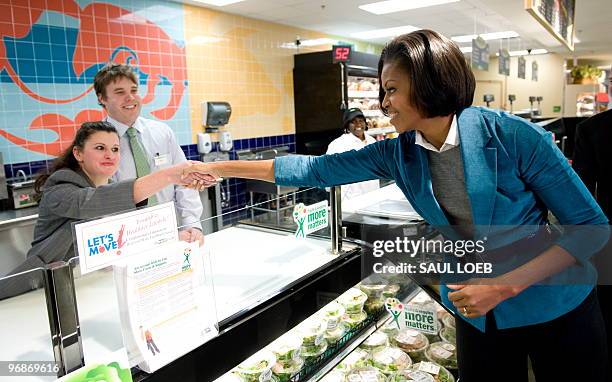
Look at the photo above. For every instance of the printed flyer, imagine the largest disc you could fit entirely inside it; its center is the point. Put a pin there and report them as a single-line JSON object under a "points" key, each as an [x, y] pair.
{"points": [[102, 242], [166, 304]]}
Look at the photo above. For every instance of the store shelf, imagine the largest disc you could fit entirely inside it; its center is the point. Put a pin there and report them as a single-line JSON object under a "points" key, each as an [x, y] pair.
{"points": [[363, 94]]}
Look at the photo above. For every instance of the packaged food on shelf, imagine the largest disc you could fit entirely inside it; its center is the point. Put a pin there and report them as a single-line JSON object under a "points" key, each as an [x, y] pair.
{"points": [[287, 348], [332, 314], [438, 372], [390, 329], [257, 368], [352, 320], [285, 370], [353, 301], [356, 359], [313, 338], [365, 374], [334, 335], [442, 353], [390, 359], [390, 291], [412, 342], [374, 341], [448, 320], [448, 334], [409, 375]]}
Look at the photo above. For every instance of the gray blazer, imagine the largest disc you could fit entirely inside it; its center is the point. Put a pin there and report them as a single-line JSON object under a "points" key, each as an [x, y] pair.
{"points": [[69, 196]]}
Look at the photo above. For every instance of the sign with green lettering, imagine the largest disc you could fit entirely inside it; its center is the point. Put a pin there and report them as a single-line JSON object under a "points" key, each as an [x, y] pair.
{"points": [[310, 218], [413, 316]]}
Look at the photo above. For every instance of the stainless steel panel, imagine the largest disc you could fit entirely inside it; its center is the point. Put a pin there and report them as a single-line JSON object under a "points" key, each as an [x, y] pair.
{"points": [[15, 242]]}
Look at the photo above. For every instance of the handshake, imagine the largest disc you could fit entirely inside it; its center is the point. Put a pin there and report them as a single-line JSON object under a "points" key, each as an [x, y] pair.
{"points": [[195, 175]]}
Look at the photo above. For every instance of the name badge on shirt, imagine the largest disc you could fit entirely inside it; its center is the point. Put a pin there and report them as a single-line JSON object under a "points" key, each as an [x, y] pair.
{"points": [[161, 160]]}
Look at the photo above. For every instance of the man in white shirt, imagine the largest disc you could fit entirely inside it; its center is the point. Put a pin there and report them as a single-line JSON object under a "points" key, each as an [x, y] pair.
{"points": [[354, 138], [146, 145]]}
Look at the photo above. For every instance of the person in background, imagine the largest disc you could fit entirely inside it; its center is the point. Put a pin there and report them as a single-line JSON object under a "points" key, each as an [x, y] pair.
{"points": [[152, 144], [354, 125], [592, 161], [470, 172], [77, 187]]}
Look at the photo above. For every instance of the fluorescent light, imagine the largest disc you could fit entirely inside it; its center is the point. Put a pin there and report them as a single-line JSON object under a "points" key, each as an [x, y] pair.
{"points": [[485, 36], [310, 42], [466, 49], [203, 40], [390, 6], [525, 53], [218, 3], [576, 41], [386, 32]]}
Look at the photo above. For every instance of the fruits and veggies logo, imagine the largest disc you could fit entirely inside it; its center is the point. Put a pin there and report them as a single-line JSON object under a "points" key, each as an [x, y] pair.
{"points": [[395, 308], [299, 217]]}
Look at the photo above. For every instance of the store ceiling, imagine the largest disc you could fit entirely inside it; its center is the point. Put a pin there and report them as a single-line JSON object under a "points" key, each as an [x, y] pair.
{"points": [[343, 18]]}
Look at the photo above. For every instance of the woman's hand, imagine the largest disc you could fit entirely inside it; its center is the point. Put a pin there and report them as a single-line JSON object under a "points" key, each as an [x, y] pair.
{"points": [[478, 296], [188, 175]]}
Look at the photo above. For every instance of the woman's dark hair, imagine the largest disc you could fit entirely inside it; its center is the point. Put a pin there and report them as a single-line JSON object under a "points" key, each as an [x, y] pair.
{"points": [[67, 159], [441, 82]]}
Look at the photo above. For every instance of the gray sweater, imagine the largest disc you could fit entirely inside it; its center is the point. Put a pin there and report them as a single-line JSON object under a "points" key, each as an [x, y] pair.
{"points": [[448, 184]]}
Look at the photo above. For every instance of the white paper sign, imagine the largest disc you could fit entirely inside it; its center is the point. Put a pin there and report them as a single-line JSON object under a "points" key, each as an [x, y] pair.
{"points": [[105, 241], [166, 304], [310, 218], [414, 316]]}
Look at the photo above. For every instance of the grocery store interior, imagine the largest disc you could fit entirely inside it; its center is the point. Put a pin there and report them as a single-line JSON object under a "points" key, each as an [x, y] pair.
{"points": [[264, 296]]}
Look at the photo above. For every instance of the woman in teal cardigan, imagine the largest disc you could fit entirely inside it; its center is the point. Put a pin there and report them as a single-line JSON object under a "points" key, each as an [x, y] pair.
{"points": [[478, 170]]}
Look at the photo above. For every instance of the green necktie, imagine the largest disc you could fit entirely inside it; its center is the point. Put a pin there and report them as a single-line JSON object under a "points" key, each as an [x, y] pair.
{"points": [[140, 159]]}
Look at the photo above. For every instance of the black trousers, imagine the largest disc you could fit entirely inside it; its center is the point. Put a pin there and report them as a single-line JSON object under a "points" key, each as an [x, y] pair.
{"points": [[569, 348]]}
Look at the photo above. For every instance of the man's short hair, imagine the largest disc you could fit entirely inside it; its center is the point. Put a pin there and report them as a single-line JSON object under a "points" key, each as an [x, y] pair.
{"points": [[441, 82], [111, 73]]}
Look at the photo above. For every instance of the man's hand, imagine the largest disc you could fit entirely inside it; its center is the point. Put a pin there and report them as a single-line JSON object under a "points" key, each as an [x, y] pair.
{"points": [[194, 175], [191, 235]]}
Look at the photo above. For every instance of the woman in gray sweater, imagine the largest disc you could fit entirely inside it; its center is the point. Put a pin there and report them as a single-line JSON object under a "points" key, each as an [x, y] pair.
{"points": [[78, 188]]}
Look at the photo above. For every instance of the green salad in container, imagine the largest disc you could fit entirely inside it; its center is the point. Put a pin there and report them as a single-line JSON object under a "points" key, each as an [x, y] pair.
{"points": [[313, 338], [412, 342], [334, 335], [409, 375], [390, 291], [390, 329], [357, 358], [352, 301], [434, 337], [352, 320], [373, 291], [287, 348], [285, 370], [374, 341], [448, 320], [448, 334], [442, 353], [438, 372], [333, 376], [257, 368], [365, 374], [390, 359]]}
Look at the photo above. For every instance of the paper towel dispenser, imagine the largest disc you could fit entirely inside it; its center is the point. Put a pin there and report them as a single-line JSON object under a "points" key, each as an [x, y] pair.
{"points": [[215, 115]]}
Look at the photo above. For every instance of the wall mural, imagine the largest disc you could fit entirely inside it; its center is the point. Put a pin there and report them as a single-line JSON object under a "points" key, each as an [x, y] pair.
{"points": [[50, 51]]}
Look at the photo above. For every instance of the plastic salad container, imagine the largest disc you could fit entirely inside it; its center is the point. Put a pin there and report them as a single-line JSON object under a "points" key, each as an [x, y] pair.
{"points": [[448, 334], [439, 373], [313, 338], [365, 374], [374, 341], [412, 342], [390, 359], [442, 353], [284, 371], [257, 368], [409, 375], [352, 301], [358, 358]]}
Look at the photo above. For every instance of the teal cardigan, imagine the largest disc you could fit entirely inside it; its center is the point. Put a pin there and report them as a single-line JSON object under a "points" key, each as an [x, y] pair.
{"points": [[514, 175]]}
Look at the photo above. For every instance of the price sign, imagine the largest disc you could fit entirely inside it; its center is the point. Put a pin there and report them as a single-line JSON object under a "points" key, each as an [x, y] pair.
{"points": [[341, 53]]}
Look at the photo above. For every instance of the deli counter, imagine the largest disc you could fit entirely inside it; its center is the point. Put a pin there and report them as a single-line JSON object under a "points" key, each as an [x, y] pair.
{"points": [[263, 284]]}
